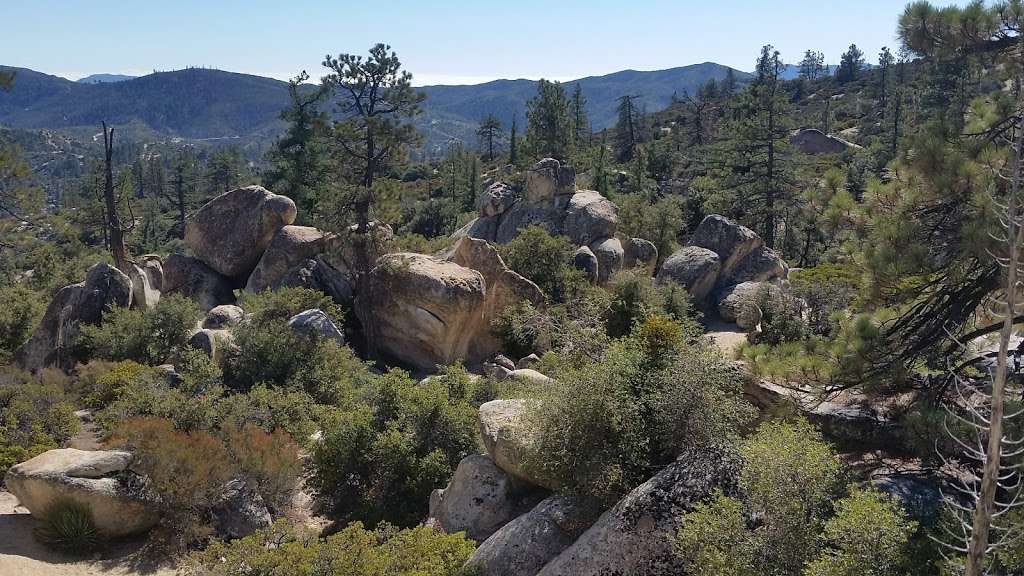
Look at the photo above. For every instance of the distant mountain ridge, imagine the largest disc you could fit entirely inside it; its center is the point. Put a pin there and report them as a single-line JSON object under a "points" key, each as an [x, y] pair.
{"points": [[201, 103], [101, 78]]}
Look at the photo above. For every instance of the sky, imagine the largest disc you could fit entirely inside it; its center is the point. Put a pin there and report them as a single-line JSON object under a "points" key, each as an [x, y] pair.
{"points": [[439, 41]]}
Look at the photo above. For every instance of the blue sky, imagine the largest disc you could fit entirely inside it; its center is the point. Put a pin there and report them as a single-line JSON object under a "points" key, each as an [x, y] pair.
{"points": [[452, 41]]}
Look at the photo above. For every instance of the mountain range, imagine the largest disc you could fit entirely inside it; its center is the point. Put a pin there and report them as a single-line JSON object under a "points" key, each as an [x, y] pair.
{"points": [[207, 104]]}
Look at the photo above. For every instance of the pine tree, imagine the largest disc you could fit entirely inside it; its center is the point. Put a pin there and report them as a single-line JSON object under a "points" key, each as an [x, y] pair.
{"points": [[376, 103], [579, 117], [627, 129], [548, 124], [754, 163], [489, 132], [513, 144], [300, 158], [850, 65], [812, 66]]}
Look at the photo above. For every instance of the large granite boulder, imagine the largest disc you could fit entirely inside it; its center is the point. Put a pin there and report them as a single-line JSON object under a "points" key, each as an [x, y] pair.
{"points": [[590, 216], [740, 303], [694, 268], [523, 546], [97, 479], [503, 288], [548, 179], [610, 256], [316, 324], [231, 232], [523, 215], [585, 260], [760, 265], [420, 310], [495, 200], [506, 436], [637, 535], [484, 228], [190, 277], [52, 341], [640, 253], [290, 247], [217, 344], [480, 499], [239, 511], [731, 241]]}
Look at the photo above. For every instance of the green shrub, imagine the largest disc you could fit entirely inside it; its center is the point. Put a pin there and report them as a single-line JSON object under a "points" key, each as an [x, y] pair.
{"points": [[151, 394], [635, 297], [283, 303], [781, 319], [270, 408], [268, 352], [331, 374], [35, 415], [547, 260], [789, 477], [285, 550], [20, 311], [381, 463], [610, 422], [714, 539], [100, 383], [868, 536], [829, 290], [68, 526], [147, 336]]}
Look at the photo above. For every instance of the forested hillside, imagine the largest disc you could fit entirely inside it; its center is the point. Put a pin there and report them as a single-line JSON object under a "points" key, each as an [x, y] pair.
{"points": [[685, 322]]}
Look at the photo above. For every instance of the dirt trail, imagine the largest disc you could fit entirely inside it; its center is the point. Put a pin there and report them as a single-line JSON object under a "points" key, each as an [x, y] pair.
{"points": [[728, 337]]}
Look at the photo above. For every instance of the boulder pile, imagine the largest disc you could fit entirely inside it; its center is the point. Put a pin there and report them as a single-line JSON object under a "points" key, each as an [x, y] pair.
{"points": [[726, 267], [525, 527], [550, 200]]}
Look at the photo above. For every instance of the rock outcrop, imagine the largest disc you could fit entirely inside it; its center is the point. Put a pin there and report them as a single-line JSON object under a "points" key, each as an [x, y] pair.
{"points": [[590, 216], [503, 288], [192, 278], [636, 536], [496, 200], [147, 279], [92, 478], [480, 499], [640, 253], [731, 241], [315, 323], [547, 180], [223, 316], [585, 260], [290, 247], [231, 232], [84, 303], [526, 544], [610, 256], [739, 303], [506, 437], [814, 141], [694, 268], [421, 310], [760, 265]]}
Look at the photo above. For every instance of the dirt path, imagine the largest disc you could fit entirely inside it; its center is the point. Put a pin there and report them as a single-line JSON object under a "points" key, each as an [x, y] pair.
{"points": [[728, 337]]}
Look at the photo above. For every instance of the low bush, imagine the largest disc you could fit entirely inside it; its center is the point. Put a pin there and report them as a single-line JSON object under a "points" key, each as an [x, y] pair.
{"points": [[285, 550], [547, 260], [635, 297], [35, 415], [67, 526], [268, 461], [285, 302], [99, 382], [609, 423], [149, 336], [381, 463], [270, 409], [151, 394]]}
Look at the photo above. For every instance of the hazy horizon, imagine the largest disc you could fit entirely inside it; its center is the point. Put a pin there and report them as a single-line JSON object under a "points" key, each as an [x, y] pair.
{"points": [[451, 42]]}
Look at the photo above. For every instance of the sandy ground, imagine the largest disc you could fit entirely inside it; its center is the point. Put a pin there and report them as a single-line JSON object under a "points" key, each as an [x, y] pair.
{"points": [[22, 555], [728, 337]]}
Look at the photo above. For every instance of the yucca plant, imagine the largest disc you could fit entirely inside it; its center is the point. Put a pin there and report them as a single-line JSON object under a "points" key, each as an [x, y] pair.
{"points": [[68, 526]]}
